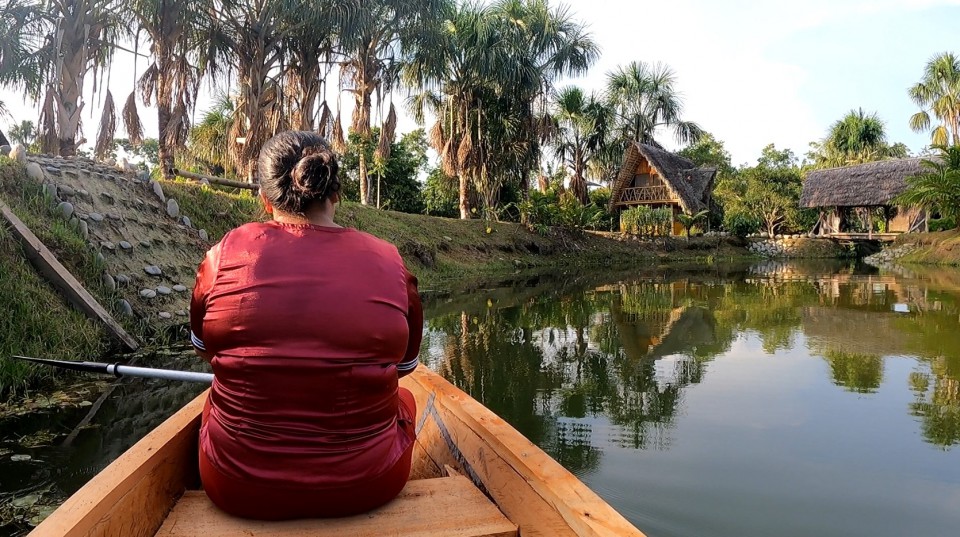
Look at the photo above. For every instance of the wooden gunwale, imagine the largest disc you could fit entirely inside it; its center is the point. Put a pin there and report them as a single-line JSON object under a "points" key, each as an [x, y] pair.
{"points": [[135, 493]]}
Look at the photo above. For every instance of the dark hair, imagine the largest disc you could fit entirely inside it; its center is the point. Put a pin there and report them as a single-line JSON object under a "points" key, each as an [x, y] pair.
{"points": [[297, 168]]}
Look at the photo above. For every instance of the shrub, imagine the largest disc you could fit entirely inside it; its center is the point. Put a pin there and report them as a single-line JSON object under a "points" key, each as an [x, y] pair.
{"points": [[647, 222], [740, 224]]}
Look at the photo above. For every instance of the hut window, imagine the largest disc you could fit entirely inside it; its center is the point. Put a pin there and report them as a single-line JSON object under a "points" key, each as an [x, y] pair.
{"points": [[646, 179]]}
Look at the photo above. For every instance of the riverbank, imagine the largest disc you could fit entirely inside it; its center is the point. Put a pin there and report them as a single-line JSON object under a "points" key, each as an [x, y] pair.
{"points": [[111, 229], [942, 248]]}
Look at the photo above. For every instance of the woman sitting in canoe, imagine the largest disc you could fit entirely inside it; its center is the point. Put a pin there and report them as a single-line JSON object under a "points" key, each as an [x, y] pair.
{"points": [[308, 326]]}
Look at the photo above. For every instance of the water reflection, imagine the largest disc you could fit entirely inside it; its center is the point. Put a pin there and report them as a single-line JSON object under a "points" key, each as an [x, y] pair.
{"points": [[627, 352]]}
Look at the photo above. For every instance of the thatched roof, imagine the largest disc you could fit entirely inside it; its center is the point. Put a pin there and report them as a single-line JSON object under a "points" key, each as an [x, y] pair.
{"points": [[690, 184], [863, 185]]}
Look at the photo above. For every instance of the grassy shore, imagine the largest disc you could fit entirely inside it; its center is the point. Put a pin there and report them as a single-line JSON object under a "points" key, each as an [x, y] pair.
{"points": [[445, 254], [942, 248]]}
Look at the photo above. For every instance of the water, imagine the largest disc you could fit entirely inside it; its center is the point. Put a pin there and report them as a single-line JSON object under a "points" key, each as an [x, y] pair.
{"points": [[775, 399]]}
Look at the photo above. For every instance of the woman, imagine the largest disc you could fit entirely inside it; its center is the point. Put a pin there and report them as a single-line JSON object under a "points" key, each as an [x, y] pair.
{"points": [[308, 326]]}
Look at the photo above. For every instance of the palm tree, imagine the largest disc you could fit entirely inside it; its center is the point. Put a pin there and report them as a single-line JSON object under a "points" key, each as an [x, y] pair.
{"points": [[376, 41], [208, 141], [484, 81], [249, 35], [21, 46], [178, 46], [78, 37], [581, 129], [24, 133], [856, 138], [939, 94], [939, 188], [645, 99], [690, 220]]}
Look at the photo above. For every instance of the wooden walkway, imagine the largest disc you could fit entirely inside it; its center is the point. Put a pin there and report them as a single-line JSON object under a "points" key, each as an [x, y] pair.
{"points": [[881, 237]]}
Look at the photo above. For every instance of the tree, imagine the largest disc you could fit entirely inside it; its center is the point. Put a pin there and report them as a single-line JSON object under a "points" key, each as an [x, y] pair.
{"points": [[709, 152], [581, 123], [856, 138], [645, 98], [688, 221], [400, 189], [376, 41], [939, 188], [23, 133], [775, 159], [179, 46], [938, 93], [208, 141], [440, 196]]}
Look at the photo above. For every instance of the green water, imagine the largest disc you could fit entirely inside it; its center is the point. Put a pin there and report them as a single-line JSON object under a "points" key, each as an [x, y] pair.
{"points": [[772, 399]]}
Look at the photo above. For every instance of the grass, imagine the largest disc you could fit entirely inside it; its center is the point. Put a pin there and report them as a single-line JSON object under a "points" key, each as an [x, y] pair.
{"points": [[36, 321], [940, 248]]}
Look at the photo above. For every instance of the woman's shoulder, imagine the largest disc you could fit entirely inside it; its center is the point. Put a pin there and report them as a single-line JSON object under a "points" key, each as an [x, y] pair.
{"points": [[374, 242]]}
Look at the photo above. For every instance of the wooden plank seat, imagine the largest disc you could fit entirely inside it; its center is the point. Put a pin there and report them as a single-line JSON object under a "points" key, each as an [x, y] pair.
{"points": [[446, 506]]}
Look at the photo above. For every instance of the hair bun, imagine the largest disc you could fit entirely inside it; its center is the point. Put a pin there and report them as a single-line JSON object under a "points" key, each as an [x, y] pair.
{"points": [[314, 175]]}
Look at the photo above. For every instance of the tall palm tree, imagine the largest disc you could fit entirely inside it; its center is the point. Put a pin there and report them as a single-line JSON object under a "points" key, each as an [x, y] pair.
{"points": [[376, 42], [939, 94], [581, 131], [645, 98], [208, 141], [23, 133], [21, 46], [79, 38], [487, 81], [248, 34], [178, 45]]}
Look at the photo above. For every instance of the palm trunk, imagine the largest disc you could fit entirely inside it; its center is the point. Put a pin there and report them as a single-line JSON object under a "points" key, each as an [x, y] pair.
{"points": [[363, 92], [68, 94], [464, 197], [165, 150]]}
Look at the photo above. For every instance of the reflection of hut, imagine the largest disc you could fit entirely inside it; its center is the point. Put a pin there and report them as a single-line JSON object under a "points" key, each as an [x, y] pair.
{"points": [[657, 178], [667, 332], [863, 187]]}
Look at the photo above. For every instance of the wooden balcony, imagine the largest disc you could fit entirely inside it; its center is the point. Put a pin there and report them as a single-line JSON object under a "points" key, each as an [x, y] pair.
{"points": [[647, 195]]}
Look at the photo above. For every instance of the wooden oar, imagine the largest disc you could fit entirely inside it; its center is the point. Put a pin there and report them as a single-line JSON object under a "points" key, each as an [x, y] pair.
{"points": [[124, 370]]}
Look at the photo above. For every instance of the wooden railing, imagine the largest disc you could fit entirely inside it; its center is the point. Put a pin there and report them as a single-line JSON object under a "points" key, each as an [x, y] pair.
{"points": [[647, 194]]}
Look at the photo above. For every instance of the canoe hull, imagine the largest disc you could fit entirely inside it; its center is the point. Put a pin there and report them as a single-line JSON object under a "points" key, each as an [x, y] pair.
{"points": [[134, 494]]}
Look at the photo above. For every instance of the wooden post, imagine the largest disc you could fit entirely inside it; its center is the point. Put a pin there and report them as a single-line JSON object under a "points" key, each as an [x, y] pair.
{"points": [[869, 222], [215, 180], [61, 278]]}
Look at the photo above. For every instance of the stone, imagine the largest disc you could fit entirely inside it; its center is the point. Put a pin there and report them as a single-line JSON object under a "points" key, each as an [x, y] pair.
{"points": [[66, 191], [182, 313], [145, 244], [108, 245], [157, 190], [179, 288], [108, 197], [96, 217], [165, 315], [148, 293], [124, 245], [83, 193], [114, 216], [203, 235], [109, 283], [153, 270], [5, 150], [186, 221], [65, 208], [173, 208], [35, 172], [18, 153], [164, 290], [125, 308], [84, 229], [144, 176], [110, 162], [51, 170], [100, 259], [123, 279]]}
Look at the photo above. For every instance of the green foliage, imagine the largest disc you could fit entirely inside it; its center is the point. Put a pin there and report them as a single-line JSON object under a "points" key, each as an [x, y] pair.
{"points": [[399, 188], [942, 224], [938, 190], [856, 138], [441, 195], [600, 198], [709, 152], [647, 222], [689, 220], [740, 223], [644, 98], [543, 210], [938, 94]]}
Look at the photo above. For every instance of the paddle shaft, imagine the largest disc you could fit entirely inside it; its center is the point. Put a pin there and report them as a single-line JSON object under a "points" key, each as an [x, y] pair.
{"points": [[124, 370]]}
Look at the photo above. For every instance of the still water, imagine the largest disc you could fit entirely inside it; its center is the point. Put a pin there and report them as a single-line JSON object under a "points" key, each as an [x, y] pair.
{"points": [[773, 399]]}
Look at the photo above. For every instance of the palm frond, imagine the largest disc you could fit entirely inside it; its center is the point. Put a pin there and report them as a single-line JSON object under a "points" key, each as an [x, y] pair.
{"points": [[131, 120], [108, 128]]}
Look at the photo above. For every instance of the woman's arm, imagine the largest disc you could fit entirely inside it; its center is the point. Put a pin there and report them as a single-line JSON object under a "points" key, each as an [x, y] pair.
{"points": [[206, 275], [415, 325]]}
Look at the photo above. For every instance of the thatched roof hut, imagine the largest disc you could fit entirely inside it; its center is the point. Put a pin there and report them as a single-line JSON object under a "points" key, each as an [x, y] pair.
{"points": [[688, 185], [872, 184]]}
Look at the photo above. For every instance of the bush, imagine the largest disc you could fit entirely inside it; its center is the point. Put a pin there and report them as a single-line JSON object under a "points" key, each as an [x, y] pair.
{"points": [[942, 224], [740, 224], [647, 222]]}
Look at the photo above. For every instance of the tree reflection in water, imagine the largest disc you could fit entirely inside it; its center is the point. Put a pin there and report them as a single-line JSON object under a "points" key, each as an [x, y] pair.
{"points": [[560, 363]]}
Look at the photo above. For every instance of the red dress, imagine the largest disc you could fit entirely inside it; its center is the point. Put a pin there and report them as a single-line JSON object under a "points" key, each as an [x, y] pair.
{"points": [[309, 329]]}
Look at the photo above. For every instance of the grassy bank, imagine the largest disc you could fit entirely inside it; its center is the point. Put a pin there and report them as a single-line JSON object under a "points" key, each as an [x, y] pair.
{"points": [[942, 248], [36, 321]]}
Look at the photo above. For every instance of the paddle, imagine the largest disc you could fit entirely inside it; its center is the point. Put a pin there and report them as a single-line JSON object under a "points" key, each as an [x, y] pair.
{"points": [[124, 370]]}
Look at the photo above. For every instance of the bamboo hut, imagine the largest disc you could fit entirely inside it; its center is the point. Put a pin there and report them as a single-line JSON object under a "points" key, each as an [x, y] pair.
{"points": [[657, 178], [863, 187]]}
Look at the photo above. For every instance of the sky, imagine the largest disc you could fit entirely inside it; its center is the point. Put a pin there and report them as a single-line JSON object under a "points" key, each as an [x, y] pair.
{"points": [[750, 72]]}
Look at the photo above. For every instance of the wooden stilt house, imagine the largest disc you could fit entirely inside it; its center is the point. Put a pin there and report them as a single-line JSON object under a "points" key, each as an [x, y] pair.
{"points": [[658, 178], [840, 193]]}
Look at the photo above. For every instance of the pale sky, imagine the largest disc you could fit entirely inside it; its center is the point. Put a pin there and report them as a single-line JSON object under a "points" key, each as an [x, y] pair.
{"points": [[751, 73]]}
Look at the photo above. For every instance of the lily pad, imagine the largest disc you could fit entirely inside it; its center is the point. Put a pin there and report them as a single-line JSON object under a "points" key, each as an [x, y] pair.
{"points": [[24, 502], [42, 513], [20, 458]]}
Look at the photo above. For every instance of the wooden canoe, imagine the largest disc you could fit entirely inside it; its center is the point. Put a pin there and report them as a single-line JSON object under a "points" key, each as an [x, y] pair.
{"points": [[473, 474]]}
